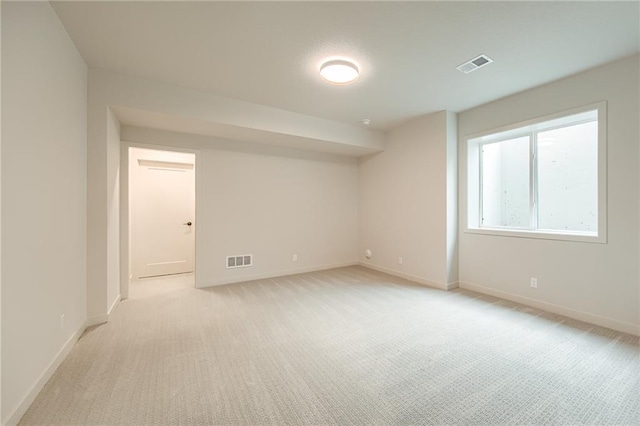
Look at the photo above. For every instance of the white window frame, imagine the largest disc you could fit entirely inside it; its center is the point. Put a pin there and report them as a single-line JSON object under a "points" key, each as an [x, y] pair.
{"points": [[473, 147]]}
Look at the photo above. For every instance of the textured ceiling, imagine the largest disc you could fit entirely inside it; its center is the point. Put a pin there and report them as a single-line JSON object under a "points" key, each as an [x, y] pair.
{"points": [[269, 53]]}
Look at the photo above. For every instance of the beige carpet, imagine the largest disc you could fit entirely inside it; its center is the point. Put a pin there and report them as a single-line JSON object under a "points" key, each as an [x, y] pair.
{"points": [[345, 346]]}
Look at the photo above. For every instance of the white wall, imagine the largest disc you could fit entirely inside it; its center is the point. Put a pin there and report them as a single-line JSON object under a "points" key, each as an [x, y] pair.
{"points": [[44, 105], [113, 207], [638, 216], [170, 105], [269, 202], [589, 281], [452, 198], [405, 193], [97, 207], [1, 216], [163, 106]]}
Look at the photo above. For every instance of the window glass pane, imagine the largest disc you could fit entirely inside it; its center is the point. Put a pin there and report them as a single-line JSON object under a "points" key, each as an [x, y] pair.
{"points": [[505, 183], [568, 178]]}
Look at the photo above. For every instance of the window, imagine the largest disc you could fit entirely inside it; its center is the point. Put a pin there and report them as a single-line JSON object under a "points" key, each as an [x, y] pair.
{"points": [[545, 178]]}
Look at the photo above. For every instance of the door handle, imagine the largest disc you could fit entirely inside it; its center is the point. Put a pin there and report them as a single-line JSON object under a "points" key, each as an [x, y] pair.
{"points": [[188, 223]]}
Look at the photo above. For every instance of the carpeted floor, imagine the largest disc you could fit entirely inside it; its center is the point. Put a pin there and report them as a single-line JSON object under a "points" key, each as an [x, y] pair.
{"points": [[345, 346]]}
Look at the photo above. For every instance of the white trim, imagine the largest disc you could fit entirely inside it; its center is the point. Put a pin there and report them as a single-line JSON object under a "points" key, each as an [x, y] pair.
{"points": [[22, 408], [410, 277], [173, 262], [97, 320], [55, 363], [125, 237], [101, 319], [165, 165], [600, 105], [599, 320], [113, 307], [471, 198], [542, 235], [265, 275]]}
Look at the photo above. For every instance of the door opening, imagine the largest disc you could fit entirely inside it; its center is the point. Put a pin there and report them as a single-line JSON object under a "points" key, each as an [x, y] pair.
{"points": [[161, 213]]}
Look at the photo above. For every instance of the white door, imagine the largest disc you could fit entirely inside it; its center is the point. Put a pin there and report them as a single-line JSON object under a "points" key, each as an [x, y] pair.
{"points": [[162, 197]]}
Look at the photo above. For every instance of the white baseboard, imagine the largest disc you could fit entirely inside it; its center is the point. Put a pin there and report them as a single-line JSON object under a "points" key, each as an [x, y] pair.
{"points": [[607, 322], [453, 285], [98, 319], [62, 354], [409, 277], [275, 274], [114, 305], [15, 417]]}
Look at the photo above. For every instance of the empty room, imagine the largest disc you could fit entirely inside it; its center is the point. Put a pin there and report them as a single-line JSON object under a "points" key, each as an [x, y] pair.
{"points": [[320, 213]]}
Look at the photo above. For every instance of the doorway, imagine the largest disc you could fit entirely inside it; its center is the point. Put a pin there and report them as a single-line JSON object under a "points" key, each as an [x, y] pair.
{"points": [[162, 206]]}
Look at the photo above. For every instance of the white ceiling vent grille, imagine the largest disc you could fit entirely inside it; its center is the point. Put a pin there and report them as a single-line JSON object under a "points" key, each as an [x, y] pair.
{"points": [[474, 64], [239, 261]]}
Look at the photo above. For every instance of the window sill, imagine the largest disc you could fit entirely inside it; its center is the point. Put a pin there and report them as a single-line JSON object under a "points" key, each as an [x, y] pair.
{"points": [[541, 235]]}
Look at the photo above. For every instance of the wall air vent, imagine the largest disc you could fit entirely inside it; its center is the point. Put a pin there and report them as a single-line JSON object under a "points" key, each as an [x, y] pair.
{"points": [[474, 64], [239, 261]]}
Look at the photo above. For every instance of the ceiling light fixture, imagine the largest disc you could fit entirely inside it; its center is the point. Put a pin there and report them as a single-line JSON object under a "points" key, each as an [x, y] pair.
{"points": [[339, 71]]}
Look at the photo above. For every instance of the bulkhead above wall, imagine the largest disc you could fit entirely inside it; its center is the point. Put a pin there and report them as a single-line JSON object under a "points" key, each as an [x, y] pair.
{"points": [[144, 103]]}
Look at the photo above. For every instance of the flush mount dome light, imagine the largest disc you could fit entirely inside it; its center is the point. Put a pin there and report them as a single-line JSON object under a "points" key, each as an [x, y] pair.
{"points": [[339, 71]]}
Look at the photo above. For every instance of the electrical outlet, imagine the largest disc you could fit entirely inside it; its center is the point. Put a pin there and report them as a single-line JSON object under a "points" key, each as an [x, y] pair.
{"points": [[62, 322], [534, 282], [399, 260], [295, 258]]}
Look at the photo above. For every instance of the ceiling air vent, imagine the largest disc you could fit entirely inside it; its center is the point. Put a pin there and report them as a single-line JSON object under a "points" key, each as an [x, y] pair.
{"points": [[474, 64]]}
